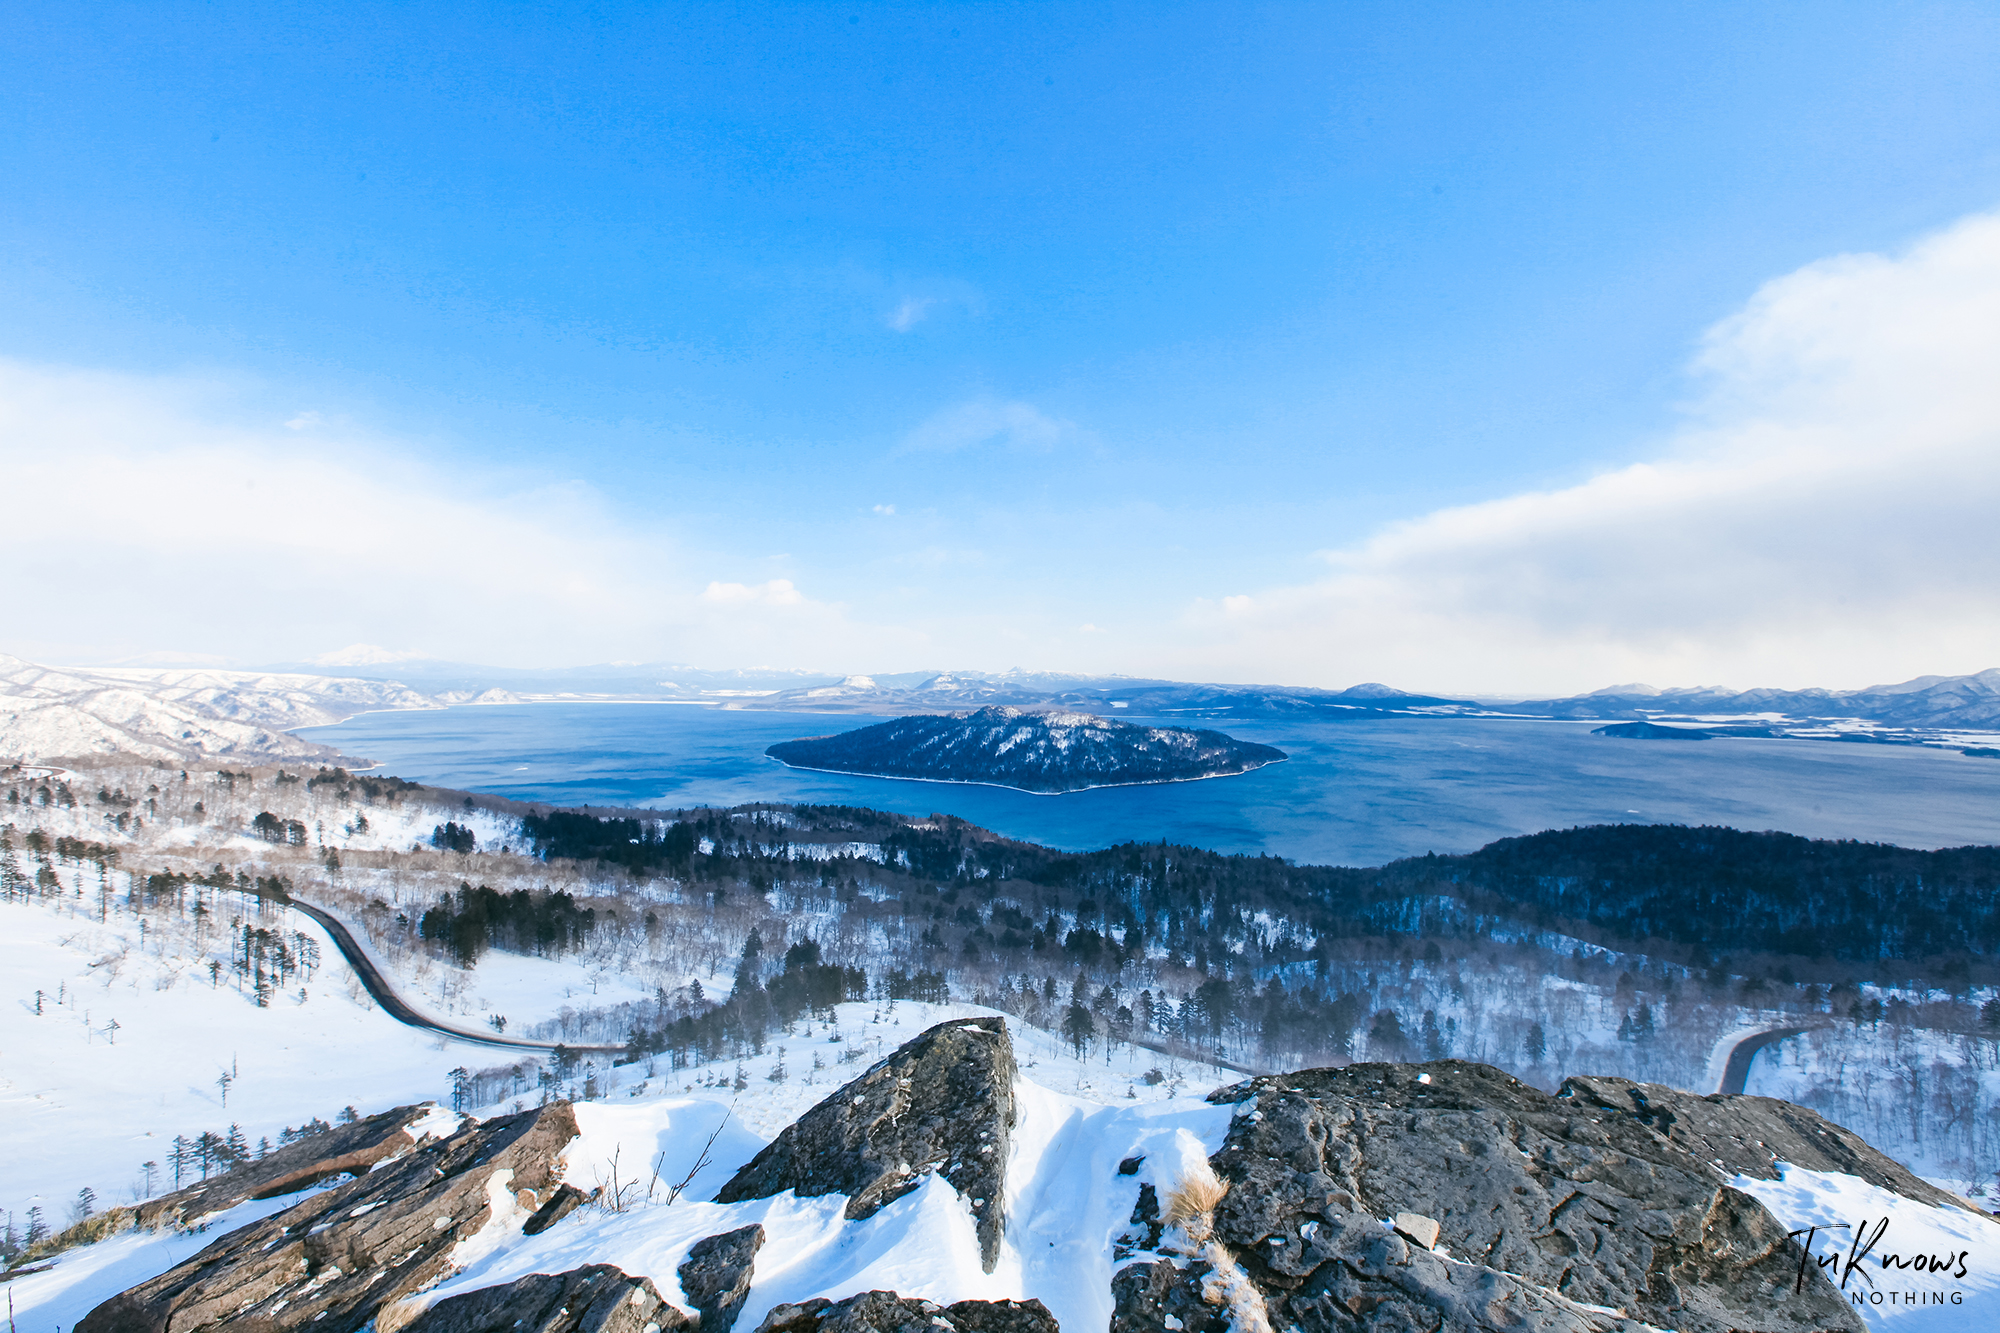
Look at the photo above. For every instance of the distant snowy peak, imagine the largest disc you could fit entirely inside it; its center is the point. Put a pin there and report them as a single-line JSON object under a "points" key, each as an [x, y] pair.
{"points": [[1971, 702], [178, 713], [1039, 751], [965, 690]]}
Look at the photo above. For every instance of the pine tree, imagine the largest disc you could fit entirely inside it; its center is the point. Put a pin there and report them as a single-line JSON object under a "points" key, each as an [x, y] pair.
{"points": [[1078, 1027]]}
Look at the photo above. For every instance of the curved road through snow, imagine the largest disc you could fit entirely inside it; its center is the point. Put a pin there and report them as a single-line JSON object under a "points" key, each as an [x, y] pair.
{"points": [[1737, 1072], [401, 1010]]}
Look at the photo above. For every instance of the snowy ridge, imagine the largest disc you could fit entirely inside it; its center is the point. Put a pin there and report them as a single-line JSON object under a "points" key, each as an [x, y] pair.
{"points": [[177, 713]]}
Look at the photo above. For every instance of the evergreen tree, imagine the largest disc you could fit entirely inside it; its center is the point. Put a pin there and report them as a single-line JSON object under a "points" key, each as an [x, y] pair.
{"points": [[1078, 1027]]}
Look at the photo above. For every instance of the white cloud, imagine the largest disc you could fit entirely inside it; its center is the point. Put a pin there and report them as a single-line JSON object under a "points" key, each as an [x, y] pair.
{"points": [[910, 312], [777, 592], [142, 513], [886, 510], [1826, 517], [987, 420]]}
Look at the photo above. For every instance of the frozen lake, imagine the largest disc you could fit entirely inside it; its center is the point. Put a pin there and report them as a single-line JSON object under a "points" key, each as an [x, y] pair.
{"points": [[1352, 793]]}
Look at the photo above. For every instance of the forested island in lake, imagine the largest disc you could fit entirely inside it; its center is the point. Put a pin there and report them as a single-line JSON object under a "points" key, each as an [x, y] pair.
{"points": [[1031, 751]]}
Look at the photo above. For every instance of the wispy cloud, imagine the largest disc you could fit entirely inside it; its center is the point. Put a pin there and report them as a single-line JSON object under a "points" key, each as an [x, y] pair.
{"points": [[910, 312], [165, 513], [776, 592], [981, 421], [1825, 517]]}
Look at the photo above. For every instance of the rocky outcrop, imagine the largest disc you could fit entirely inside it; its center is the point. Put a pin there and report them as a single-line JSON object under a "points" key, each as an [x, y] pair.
{"points": [[1551, 1212], [886, 1312], [566, 1200], [316, 1159], [1750, 1135], [943, 1102], [334, 1260], [715, 1276], [596, 1299]]}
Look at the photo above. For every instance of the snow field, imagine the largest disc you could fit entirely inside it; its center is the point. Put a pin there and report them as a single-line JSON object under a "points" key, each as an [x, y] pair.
{"points": [[1843, 1207], [88, 1104]]}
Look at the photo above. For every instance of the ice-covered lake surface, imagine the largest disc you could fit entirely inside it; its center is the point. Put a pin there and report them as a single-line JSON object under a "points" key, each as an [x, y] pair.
{"points": [[1352, 793]]}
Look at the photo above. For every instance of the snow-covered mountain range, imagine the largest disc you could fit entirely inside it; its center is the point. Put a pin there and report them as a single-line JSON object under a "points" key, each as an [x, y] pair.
{"points": [[1971, 702], [175, 713]]}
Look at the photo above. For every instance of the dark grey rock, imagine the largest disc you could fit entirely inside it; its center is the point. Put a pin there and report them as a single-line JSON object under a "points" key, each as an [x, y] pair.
{"points": [[1029, 1316], [338, 1257], [943, 1102], [595, 1299], [561, 1204], [1745, 1134], [1363, 1277], [1549, 1206], [886, 1312], [715, 1276]]}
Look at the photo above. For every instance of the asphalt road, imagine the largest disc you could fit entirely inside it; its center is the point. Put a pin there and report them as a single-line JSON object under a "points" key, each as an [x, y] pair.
{"points": [[1737, 1071], [400, 1009]]}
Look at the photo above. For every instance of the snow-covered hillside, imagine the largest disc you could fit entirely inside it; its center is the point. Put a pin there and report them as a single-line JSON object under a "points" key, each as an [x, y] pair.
{"points": [[1050, 751], [1081, 1156], [176, 713], [132, 900]]}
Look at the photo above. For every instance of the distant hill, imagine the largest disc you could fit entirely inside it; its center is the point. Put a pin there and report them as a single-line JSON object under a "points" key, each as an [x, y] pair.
{"points": [[1038, 752], [1971, 702], [953, 691], [177, 714]]}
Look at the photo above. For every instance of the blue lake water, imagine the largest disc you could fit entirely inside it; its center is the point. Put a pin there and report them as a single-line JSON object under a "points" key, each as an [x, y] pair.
{"points": [[1352, 793]]}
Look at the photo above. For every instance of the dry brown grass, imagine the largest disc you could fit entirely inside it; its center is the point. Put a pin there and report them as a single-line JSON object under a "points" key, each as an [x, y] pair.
{"points": [[1194, 1195]]}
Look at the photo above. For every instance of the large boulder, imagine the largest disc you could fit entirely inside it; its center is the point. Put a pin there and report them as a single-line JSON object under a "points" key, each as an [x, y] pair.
{"points": [[1751, 1135], [943, 1102], [715, 1276], [335, 1259], [595, 1299], [1553, 1212], [886, 1312]]}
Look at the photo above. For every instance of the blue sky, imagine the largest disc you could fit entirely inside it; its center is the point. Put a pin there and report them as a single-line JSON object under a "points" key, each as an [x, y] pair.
{"points": [[875, 337]]}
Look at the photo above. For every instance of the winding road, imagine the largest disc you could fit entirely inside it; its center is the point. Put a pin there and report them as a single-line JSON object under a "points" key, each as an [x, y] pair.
{"points": [[1737, 1072], [401, 1010]]}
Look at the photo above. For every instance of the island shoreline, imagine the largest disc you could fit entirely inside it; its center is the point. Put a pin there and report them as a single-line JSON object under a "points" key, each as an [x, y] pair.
{"points": [[1006, 786]]}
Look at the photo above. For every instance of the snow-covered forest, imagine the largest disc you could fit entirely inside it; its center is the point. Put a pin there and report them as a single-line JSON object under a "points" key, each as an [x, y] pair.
{"points": [[716, 946]]}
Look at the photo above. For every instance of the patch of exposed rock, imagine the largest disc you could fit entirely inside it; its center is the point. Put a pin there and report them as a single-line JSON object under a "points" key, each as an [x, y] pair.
{"points": [[334, 1260], [1741, 1133], [886, 1312], [344, 1150], [597, 1299], [943, 1102], [715, 1276], [1552, 1213]]}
